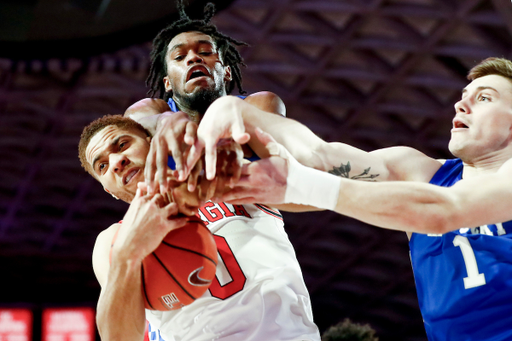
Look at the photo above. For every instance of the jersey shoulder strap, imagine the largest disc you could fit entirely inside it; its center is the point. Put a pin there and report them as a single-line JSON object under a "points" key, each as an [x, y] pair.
{"points": [[449, 173]]}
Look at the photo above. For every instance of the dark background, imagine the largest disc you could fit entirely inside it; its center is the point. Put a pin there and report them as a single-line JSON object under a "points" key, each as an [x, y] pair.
{"points": [[371, 73]]}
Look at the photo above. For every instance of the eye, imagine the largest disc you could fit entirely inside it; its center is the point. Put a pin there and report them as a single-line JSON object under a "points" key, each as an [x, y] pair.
{"points": [[122, 144], [484, 98], [178, 58], [206, 53], [102, 166]]}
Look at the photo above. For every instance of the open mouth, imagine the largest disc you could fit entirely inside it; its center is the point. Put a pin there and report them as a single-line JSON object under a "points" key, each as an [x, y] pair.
{"points": [[459, 124], [197, 72], [129, 175]]}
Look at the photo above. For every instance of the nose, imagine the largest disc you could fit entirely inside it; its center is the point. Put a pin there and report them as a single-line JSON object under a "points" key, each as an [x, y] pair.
{"points": [[118, 162], [193, 57], [462, 106]]}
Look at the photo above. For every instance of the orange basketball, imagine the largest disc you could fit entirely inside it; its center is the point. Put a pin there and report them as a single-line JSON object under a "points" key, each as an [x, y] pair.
{"points": [[180, 269]]}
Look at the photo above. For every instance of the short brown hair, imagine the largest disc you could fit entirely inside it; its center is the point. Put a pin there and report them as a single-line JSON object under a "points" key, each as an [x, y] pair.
{"points": [[97, 125], [491, 66]]}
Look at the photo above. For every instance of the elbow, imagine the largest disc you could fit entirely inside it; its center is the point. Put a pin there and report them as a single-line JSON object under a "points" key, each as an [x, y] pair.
{"points": [[438, 224], [439, 221]]}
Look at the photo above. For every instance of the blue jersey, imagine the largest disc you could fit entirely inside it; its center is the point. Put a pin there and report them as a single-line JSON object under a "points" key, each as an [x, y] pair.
{"points": [[464, 277]]}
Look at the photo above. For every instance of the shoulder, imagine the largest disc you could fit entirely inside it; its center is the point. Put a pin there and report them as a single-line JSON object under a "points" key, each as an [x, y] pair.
{"points": [[146, 107], [408, 164], [267, 101], [101, 252]]}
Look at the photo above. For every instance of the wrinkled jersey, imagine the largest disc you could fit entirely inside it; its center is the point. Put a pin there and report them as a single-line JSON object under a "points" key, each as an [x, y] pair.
{"points": [[258, 292], [464, 277]]}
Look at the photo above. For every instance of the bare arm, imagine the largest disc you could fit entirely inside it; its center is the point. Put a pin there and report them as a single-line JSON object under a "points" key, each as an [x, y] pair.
{"points": [[230, 113], [426, 208], [411, 206], [144, 112], [120, 286], [120, 310]]}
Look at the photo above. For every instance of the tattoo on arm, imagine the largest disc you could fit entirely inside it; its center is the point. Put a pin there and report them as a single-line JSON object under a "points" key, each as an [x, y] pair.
{"points": [[344, 172]]}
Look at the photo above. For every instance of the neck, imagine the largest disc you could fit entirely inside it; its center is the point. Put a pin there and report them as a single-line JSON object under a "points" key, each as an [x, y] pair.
{"points": [[194, 115], [489, 164], [195, 105]]}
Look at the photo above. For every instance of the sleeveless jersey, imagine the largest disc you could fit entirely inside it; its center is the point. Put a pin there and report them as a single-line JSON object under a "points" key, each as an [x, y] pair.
{"points": [[464, 277], [258, 292]]}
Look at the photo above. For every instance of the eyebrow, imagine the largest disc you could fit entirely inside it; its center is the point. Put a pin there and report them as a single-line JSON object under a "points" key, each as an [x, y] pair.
{"points": [[177, 46], [480, 88], [110, 146]]}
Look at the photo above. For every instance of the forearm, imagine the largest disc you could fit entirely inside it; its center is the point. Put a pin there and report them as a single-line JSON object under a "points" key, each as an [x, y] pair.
{"points": [[398, 205], [120, 311], [306, 147], [297, 138], [403, 206]]}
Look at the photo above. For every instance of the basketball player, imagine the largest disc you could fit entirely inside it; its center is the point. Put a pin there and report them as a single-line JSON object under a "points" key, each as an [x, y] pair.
{"points": [[258, 293], [193, 65], [457, 213]]}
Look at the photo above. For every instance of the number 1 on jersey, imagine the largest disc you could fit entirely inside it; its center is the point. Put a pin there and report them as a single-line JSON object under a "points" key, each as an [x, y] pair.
{"points": [[474, 279]]}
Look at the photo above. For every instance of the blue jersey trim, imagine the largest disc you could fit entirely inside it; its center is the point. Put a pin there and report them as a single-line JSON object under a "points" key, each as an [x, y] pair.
{"points": [[449, 173], [154, 334], [174, 107]]}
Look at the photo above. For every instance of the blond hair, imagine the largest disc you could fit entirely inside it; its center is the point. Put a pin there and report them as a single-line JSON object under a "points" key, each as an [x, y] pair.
{"points": [[491, 66]]}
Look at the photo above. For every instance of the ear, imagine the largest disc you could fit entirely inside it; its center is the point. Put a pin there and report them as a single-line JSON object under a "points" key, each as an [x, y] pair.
{"points": [[106, 190], [227, 74], [167, 84]]}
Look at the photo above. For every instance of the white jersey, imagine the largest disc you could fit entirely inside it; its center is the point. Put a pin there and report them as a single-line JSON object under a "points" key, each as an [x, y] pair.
{"points": [[258, 293]]}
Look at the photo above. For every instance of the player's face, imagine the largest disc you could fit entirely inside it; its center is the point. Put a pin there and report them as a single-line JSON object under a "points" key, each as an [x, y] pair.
{"points": [[482, 126], [194, 66], [117, 158]]}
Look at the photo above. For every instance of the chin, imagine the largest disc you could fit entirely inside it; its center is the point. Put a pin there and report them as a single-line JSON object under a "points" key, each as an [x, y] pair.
{"points": [[457, 152], [201, 98]]}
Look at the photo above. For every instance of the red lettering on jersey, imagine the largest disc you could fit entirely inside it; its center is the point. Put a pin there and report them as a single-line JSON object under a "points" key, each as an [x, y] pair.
{"points": [[211, 215], [227, 212], [205, 222], [236, 273], [240, 210]]}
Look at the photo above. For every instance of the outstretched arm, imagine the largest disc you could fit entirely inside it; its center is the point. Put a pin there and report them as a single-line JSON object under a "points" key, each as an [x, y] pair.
{"points": [[406, 205], [230, 114], [120, 310]]}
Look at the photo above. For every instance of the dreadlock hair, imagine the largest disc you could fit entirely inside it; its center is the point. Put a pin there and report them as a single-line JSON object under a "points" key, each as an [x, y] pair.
{"points": [[228, 53]]}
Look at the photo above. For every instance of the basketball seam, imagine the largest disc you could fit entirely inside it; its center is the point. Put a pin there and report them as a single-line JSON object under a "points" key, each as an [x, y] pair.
{"points": [[188, 250], [144, 286], [174, 278]]}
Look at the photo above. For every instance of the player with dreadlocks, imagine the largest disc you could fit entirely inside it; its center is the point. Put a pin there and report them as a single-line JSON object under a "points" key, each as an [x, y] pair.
{"points": [[228, 53], [192, 65], [258, 293]]}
